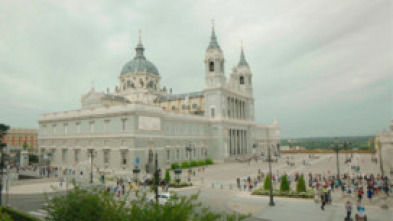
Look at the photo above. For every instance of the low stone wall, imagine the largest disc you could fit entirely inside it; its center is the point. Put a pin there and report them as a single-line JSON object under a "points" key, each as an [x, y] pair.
{"points": [[326, 151]]}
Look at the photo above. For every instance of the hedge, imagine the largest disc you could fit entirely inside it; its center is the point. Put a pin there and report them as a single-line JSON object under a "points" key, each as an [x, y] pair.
{"points": [[175, 166], [17, 215], [201, 163], [194, 163], [174, 184], [185, 164], [290, 194], [209, 161]]}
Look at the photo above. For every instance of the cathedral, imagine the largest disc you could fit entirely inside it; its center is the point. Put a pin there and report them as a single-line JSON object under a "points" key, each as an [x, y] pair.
{"points": [[124, 129]]}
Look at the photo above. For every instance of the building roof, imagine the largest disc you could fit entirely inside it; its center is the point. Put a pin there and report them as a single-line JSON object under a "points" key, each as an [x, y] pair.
{"points": [[139, 63], [213, 41], [242, 61], [170, 97]]}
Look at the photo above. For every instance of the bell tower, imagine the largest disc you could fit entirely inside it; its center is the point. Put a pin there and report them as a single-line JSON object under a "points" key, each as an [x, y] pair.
{"points": [[214, 64]]}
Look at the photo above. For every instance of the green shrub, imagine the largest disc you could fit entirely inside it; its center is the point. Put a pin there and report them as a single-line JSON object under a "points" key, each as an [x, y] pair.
{"points": [[209, 161], [266, 184], [201, 163], [175, 166], [94, 204], [167, 176], [284, 186], [4, 216], [185, 164], [33, 158], [16, 215], [194, 163], [301, 185]]}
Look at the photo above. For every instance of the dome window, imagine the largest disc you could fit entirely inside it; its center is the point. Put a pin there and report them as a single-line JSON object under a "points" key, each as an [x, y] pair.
{"points": [[241, 80], [150, 85], [211, 66]]}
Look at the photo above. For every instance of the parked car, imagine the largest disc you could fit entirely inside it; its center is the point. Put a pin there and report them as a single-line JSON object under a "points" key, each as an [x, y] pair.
{"points": [[163, 198]]}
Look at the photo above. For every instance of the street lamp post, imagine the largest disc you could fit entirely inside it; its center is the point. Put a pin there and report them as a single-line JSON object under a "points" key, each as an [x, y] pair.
{"points": [[178, 175], [157, 177], [271, 203], [49, 155], [135, 172], [336, 147], [91, 165], [189, 149], [4, 158]]}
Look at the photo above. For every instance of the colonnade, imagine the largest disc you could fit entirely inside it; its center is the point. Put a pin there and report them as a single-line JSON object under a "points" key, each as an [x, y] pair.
{"points": [[237, 142], [237, 108]]}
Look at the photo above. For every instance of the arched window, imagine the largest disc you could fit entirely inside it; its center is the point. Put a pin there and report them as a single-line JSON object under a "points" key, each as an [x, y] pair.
{"points": [[241, 80], [141, 82], [211, 66], [150, 84], [212, 112]]}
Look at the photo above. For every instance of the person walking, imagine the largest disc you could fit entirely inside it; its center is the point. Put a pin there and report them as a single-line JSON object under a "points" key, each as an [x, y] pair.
{"points": [[360, 194], [323, 198], [348, 208]]}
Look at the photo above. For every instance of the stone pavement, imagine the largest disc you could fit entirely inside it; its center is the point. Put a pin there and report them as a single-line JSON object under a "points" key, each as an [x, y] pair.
{"points": [[298, 209], [37, 188]]}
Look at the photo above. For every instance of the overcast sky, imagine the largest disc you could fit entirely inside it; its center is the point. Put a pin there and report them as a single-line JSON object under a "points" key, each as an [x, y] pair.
{"points": [[323, 68]]}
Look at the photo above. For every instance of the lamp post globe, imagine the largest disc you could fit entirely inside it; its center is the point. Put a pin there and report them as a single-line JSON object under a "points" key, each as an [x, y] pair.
{"points": [[136, 172], [49, 155], [178, 173]]}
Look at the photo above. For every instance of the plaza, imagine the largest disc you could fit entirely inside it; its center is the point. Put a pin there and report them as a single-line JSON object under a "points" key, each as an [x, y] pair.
{"points": [[218, 191]]}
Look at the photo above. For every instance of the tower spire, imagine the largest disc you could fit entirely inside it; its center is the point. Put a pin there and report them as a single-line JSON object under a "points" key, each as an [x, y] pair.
{"points": [[139, 47], [213, 39], [242, 61]]}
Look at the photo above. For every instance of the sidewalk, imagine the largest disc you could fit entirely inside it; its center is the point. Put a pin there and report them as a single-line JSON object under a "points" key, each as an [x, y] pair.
{"points": [[298, 209], [37, 188]]}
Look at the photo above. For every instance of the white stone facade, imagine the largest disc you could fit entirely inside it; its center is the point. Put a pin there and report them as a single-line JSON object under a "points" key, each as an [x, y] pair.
{"points": [[133, 122], [384, 145]]}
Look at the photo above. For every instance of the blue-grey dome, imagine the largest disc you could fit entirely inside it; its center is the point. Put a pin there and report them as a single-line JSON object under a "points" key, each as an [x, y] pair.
{"points": [[139, 63]]}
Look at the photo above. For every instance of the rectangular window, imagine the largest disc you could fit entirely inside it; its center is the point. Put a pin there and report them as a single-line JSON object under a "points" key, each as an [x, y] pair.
{"points": [[91, 126], [124, 124], [65, 128], [167, 154], [193, 152], [123, 158], [106, 156], [54, 129], [194, 106], [44, 129], [77, 156], [106, 123], [212, 112], [177, 154], [78, 127], [64, 156]]}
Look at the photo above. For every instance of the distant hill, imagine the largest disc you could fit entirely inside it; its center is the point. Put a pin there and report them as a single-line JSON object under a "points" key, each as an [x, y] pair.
{"points": [[312, 143]]}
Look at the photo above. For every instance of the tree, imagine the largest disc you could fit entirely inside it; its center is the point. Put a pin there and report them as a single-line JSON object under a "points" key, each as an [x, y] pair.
{"points": [[167, 176], [4, 216], [284, 186], [82, 204], [24, 146], [266, 184], [301, 185]]}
